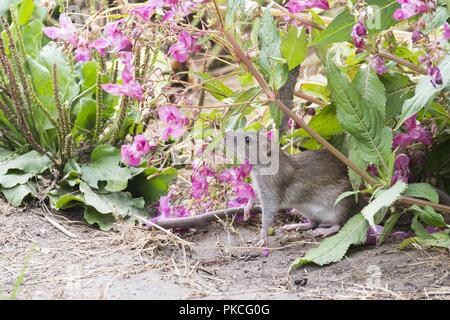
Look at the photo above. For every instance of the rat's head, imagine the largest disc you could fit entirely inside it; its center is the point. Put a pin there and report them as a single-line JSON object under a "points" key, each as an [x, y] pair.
{"points": [[250, 146]]}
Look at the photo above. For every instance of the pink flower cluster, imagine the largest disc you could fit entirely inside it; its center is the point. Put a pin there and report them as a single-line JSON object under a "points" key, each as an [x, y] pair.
{"points": [[175, 122], [166, 210], [129, 87], [113, 39], [132, 153], [401, 168], [295, 6], [410, 8], [185, 45], [378, 64], [359, 33], [236, 178], [414, 133]]}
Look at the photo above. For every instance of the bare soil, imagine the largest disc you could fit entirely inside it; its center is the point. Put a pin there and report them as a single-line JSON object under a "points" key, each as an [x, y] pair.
{"points": [[220, 262]]}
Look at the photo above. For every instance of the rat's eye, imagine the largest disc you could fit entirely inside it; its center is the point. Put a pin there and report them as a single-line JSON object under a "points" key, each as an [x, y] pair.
{"points": [[247, 139]]}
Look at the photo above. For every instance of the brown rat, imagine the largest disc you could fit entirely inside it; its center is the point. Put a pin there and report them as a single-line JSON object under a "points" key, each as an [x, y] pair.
{"points": [[309, 182]]}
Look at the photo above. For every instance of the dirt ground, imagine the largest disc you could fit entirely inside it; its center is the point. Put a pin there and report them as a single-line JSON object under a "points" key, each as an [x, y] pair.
{"points": [[218, 263]]}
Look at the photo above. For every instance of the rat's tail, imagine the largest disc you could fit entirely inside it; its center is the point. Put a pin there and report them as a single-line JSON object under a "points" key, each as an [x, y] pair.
{"points": [[444, 198]]}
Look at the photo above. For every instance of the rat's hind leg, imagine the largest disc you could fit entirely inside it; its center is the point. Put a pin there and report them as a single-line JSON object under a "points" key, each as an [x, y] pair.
{"points": [[303, 226], [325, 232]]}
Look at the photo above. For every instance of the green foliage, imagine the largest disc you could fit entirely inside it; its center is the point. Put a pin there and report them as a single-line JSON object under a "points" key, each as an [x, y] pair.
{"points": [[294, 46], [333, 249], [338, 30], [422, 190]]}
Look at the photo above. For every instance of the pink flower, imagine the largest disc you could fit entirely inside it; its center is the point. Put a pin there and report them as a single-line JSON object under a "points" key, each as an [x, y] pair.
{"points": [[164, 206], [414, 133], [416, 36], [436, 76], [175, 121], [199, 186], [401, 168], [66, 31], [378, 64], [185, 45], [130, 156], [180, 211], [146, 11], [172, 132], [141, 144], [244, 190], [295, 6], [446, 31], [82, 53], [372, 169], [359, 32], [113, 38], [410, 8]]}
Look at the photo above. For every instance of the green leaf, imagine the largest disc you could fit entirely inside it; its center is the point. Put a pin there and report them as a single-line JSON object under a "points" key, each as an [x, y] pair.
{"points": [[42, 82], [217, 88], [69, 200], [398, 89], [384, 199], [388, 227], [234, 10], [31, 162], [17, 194], [104, 166], [324, 123], [25, 13], [425, 91], [270, 57], [12, 179], [371, 89], [151, 184], [364, 123], [355, 156], [422, 190], [120, 204], [339, 30], [429, 216], [334, 248], [276, 114], [294, 46], [345, 195], [85, 120], [32, 37], [104, 221], [382, 17]]}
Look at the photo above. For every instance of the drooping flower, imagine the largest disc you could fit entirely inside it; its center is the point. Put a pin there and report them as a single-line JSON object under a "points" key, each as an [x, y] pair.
{"points": [[435, 74], [141, 143], [446, 31], [401, 168], [244, 190], [186, 44], [410, 8], [416, 36], [175, 120], [414, 133], [67, 31], [113, 38], [378, 64], [146, 11], [295, 6], [82, 53], [130, 156], [372, 169], [359, 33]]}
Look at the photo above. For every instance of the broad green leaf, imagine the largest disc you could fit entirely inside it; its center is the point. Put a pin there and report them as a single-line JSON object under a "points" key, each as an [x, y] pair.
{"points": [[31, 162], [339, 30], [440, 240], [425, 91], [371, 89], [42, 82], [382, 16], [151, 184], [17, 194], [294, 46], [32, 37], [216, 87], [12, 179], [422, 190], [334, 248], [88, 75], [384, 199], [25, 13], [345, 195], [435, 19], [363, 123], [69, 200], [104, 221], [85, 120], [120, 204], [270, 58], [388, 226], [104, 166], [324, 123], [355, 156], [276, 114], [398, 89], [5, 154], [429, 216]]}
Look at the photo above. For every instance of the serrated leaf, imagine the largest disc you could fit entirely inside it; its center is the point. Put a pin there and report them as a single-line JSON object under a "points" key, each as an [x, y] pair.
{"points": [[382, 16], [338, 30], [355, 156], [384, 199], [441, 240], [334, 248], [104, 221], [398, 88], [429, 216], [422, 190], [294, 46], [425, 92], [363, 123], [31, 162], [324, 123], [104, 166], [371, 89], [217, 88], [233, 12], [345, 195]]}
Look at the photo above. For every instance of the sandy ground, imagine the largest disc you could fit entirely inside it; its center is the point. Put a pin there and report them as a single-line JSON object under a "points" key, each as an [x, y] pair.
{"points": [[218, 263]]}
